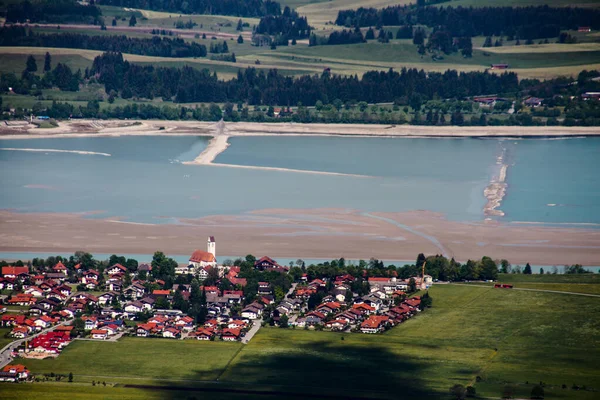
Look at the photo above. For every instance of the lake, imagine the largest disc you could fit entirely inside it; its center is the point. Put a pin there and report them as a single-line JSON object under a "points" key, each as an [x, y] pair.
{"points": [[143, 180]]}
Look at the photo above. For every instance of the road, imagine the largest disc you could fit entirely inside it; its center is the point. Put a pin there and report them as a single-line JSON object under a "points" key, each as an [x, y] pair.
{"points": [[250, 334], [5, 353], [534, 290]]}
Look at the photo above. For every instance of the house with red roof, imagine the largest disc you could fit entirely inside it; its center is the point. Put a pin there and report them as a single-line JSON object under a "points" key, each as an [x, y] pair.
{"points": [[363, 308], [337, 324], [101, 334], [374, 324], [115, 269], [171, 333], [328, 308], [35, 291], [20, 332], [204, 334], [231, 335], [242, 282], [51, 342], [268, 264], [13, 272], [314, 318], [14, 373], [22, 299], [145, 330], [44, 322], [60, 267]]}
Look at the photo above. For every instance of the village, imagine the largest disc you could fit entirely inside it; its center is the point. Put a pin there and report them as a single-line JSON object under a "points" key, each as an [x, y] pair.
{"points": [[45, 308]]}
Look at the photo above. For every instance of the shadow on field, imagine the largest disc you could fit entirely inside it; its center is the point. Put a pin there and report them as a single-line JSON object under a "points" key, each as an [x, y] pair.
{"points": [[319, 371]]}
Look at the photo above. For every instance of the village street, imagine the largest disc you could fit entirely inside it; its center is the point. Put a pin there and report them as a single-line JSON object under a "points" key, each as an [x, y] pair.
{"points": [[5, 353], [256, 324]]}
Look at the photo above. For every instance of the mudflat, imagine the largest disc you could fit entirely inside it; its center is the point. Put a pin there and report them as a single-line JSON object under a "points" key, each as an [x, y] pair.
{"points": [[315, 233]]}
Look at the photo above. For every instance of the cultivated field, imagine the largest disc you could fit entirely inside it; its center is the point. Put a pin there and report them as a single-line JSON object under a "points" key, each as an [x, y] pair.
{"points": [[505, 337]]}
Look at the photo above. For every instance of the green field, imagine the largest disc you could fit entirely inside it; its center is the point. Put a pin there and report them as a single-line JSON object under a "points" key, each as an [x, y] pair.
{"points": [[506, 337], [3, 340], [521, 3], [150, 359]]}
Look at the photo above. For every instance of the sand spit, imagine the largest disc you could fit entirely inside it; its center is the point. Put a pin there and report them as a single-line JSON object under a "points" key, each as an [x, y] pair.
{"points": [[496, 190], [219, 143], [93, 153]]}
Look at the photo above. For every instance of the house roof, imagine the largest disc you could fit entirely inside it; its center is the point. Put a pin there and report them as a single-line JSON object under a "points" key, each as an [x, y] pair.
{"points": [[99, 331], [14, 270], [202, 256], [231, 332], [16, 367], [158, 292], [374, 321]]}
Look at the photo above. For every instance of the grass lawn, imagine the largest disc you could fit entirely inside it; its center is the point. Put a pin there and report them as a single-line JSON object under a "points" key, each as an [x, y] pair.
{"points": [[3, 340], [75, 391], [521, 3]]}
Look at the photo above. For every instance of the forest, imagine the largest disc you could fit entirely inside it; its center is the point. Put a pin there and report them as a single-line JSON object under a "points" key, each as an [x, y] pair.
{"points": [[289, 24], [240, 8], [155, 46], [516, 22], [434, 98], [53, 11], [257, 87]]}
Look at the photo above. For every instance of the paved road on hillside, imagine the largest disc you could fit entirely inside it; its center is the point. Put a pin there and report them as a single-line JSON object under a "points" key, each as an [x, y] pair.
{"points": [[5, 353], [533, 290]]}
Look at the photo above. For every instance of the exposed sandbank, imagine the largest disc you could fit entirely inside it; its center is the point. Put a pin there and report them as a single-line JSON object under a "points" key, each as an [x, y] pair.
{"points": [[496, 190], [317, 233], [94, 153]]}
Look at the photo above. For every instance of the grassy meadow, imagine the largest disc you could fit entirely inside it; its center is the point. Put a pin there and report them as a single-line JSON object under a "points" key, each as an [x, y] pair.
{"points": [[151, 359], [504, 337]]}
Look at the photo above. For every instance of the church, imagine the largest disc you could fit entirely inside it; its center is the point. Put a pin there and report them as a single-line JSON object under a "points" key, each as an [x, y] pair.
{"points": [[201, 261], [208, 258]]}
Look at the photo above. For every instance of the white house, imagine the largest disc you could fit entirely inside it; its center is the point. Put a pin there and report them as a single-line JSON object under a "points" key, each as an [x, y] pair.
{"points": [[134, 307], [100, 334]]}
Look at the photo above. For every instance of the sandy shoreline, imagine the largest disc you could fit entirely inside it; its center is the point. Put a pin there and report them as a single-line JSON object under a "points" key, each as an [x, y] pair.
{"points": [[315, 233], [172, 128]]}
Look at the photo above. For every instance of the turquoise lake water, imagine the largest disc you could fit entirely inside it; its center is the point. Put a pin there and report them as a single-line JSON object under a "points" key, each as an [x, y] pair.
{"points": [[144, 181]]}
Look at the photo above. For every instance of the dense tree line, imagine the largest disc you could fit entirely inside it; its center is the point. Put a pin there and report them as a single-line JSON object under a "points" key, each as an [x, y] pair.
{"points": [[53, 11], [288, 24], [522, 22], [155, 46], [338, 37], [254, 86], [241, 8]]}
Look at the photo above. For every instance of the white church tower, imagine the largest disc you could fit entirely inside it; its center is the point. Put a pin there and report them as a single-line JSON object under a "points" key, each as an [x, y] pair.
{"points": [[211, 246]]}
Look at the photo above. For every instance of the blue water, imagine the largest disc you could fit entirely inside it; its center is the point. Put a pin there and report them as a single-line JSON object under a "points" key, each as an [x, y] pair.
{"points": [[555, 181], [144, 181]]}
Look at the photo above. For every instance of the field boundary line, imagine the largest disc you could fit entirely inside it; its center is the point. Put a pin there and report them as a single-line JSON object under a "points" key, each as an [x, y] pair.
{"points": [[229, 363]]}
